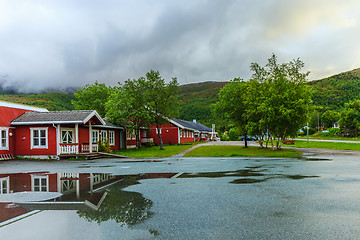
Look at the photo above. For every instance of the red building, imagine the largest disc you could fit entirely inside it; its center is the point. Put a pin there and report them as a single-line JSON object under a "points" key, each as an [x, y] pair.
{"points": [[177, 131], [35, 132]]}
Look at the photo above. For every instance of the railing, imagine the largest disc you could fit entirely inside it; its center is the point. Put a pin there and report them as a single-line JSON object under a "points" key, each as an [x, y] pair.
{"points": [[69, 148], [85, 147], [147, 140]]}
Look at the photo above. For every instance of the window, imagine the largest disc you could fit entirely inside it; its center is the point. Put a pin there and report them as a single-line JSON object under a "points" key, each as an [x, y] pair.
{"points": [[39, 138], [112, 137], [4, 185], [4, 142], [67, 136], [95, 136], [104, 138], [157, 132], [39, 183], [130, 134]]}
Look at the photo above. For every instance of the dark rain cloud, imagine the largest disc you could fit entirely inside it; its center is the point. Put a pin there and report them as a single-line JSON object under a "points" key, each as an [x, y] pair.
{"points": [[60, 44]]}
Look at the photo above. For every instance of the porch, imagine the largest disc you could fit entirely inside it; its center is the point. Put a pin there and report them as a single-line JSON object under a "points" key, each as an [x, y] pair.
{"points": [[76, 148]]}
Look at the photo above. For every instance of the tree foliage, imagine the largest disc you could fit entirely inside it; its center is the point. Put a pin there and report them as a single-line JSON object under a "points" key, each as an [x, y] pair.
{"points": [[92, 97], [350, 118], [127, 106], [140, 102], [275, 101], [162, 100]]}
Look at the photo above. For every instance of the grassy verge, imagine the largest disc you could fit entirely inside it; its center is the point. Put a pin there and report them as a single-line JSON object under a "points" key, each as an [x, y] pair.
{"points": [[155, 152], [327, 145], [239, 151]]}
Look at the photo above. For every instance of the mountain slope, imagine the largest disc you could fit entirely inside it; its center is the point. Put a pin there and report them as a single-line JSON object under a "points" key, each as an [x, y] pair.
{"points": [[196, 99], [333, 92], [50, 101]]}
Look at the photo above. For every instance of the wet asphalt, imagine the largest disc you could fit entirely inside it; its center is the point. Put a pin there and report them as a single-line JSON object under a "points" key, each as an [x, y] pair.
{"points": [[314, 197]]}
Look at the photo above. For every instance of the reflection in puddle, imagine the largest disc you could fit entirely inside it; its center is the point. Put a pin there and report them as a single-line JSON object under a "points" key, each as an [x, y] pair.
{"points": [[245, 173], [248, 180], [310, 159], [96, 197]]}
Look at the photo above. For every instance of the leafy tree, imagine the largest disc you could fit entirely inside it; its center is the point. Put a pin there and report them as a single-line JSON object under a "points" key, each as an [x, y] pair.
{"points": [[127, 106], [275, 101], [350, 118], [330, 117], [92, 97], [232, 105], [286, 97], [161, 100]]}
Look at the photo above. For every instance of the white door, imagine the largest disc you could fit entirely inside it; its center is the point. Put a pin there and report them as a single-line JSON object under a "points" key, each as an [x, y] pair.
{"points": [[4, 185], [67, 136]]}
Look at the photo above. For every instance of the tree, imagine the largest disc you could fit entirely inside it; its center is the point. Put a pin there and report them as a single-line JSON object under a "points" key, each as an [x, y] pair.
{"points": [[329, 118], [127, 106], [350, 118], [161, 101], [286, 98], [92, 97], [275, 101], [232, 105]]}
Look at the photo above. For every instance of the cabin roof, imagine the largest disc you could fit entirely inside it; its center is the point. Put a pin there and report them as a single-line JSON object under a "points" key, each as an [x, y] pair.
{"points": [[58, 117], [191, 125]]}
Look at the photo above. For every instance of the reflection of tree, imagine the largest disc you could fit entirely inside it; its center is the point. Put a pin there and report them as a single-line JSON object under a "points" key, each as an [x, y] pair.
{"points": [[124, 207]]}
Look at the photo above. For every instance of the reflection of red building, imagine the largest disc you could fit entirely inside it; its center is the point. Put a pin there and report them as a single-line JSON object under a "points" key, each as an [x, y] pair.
{"points": [[61, 190]]}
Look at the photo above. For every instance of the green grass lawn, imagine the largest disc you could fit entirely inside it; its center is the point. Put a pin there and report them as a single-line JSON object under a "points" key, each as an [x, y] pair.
{"points": [[326, 145], [155, 152], [239, 151]]}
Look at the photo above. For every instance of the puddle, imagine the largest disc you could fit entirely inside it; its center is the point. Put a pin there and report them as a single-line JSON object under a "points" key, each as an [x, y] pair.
{"points": [[141, 161], [248, 180], [96, 197], [238, 173], [310, 159]]}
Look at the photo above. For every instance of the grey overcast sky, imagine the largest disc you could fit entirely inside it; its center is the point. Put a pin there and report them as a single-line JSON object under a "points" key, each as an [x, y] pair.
{"points": [[68, 43]]}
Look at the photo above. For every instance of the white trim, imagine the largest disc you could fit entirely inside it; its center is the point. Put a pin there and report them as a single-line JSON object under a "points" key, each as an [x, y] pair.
{"points": [[98, 134], [41, 176], [21, 106], [106, 136], [112, 143], [7, 179], [6, 147], [101, 126], [32, 138], [94, 113], [45, 122]]}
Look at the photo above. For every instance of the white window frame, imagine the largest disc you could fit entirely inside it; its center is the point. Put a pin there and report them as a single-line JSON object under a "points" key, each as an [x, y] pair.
{"points": [[68, 130], [102, 134], [95, 139], [157, 131], [40, 177], [6, 130], [32, 138], [4, 179], [112, 138]]}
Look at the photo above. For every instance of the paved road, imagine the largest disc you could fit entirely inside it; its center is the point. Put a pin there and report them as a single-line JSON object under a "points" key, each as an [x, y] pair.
{"points": [[323, 140]]}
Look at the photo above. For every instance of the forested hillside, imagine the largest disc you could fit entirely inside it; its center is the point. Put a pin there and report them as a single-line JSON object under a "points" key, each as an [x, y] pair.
{"points": [[196, 99], [328, 94], [50, 101], [333, 92]]}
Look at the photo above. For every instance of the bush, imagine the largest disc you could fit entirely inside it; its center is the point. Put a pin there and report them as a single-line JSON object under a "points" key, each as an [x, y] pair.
{"points": [[104, 146]]}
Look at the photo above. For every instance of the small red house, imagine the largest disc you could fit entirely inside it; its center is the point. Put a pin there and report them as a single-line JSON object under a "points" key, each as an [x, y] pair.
{"points": [[8, 112], [56, 134], [177, 131]]}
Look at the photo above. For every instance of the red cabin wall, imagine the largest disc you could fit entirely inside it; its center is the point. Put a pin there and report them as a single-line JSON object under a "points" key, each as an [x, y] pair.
{"points": [[23, 141], [169, 134]]}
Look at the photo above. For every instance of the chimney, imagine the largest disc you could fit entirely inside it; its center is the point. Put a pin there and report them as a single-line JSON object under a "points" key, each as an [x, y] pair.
{"points": [[194, 120]]}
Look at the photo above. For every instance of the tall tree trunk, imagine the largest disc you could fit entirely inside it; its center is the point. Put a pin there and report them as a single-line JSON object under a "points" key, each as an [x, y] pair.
{"points": [[159, 135], [283, 138], [245, 135], [137, 136]]}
